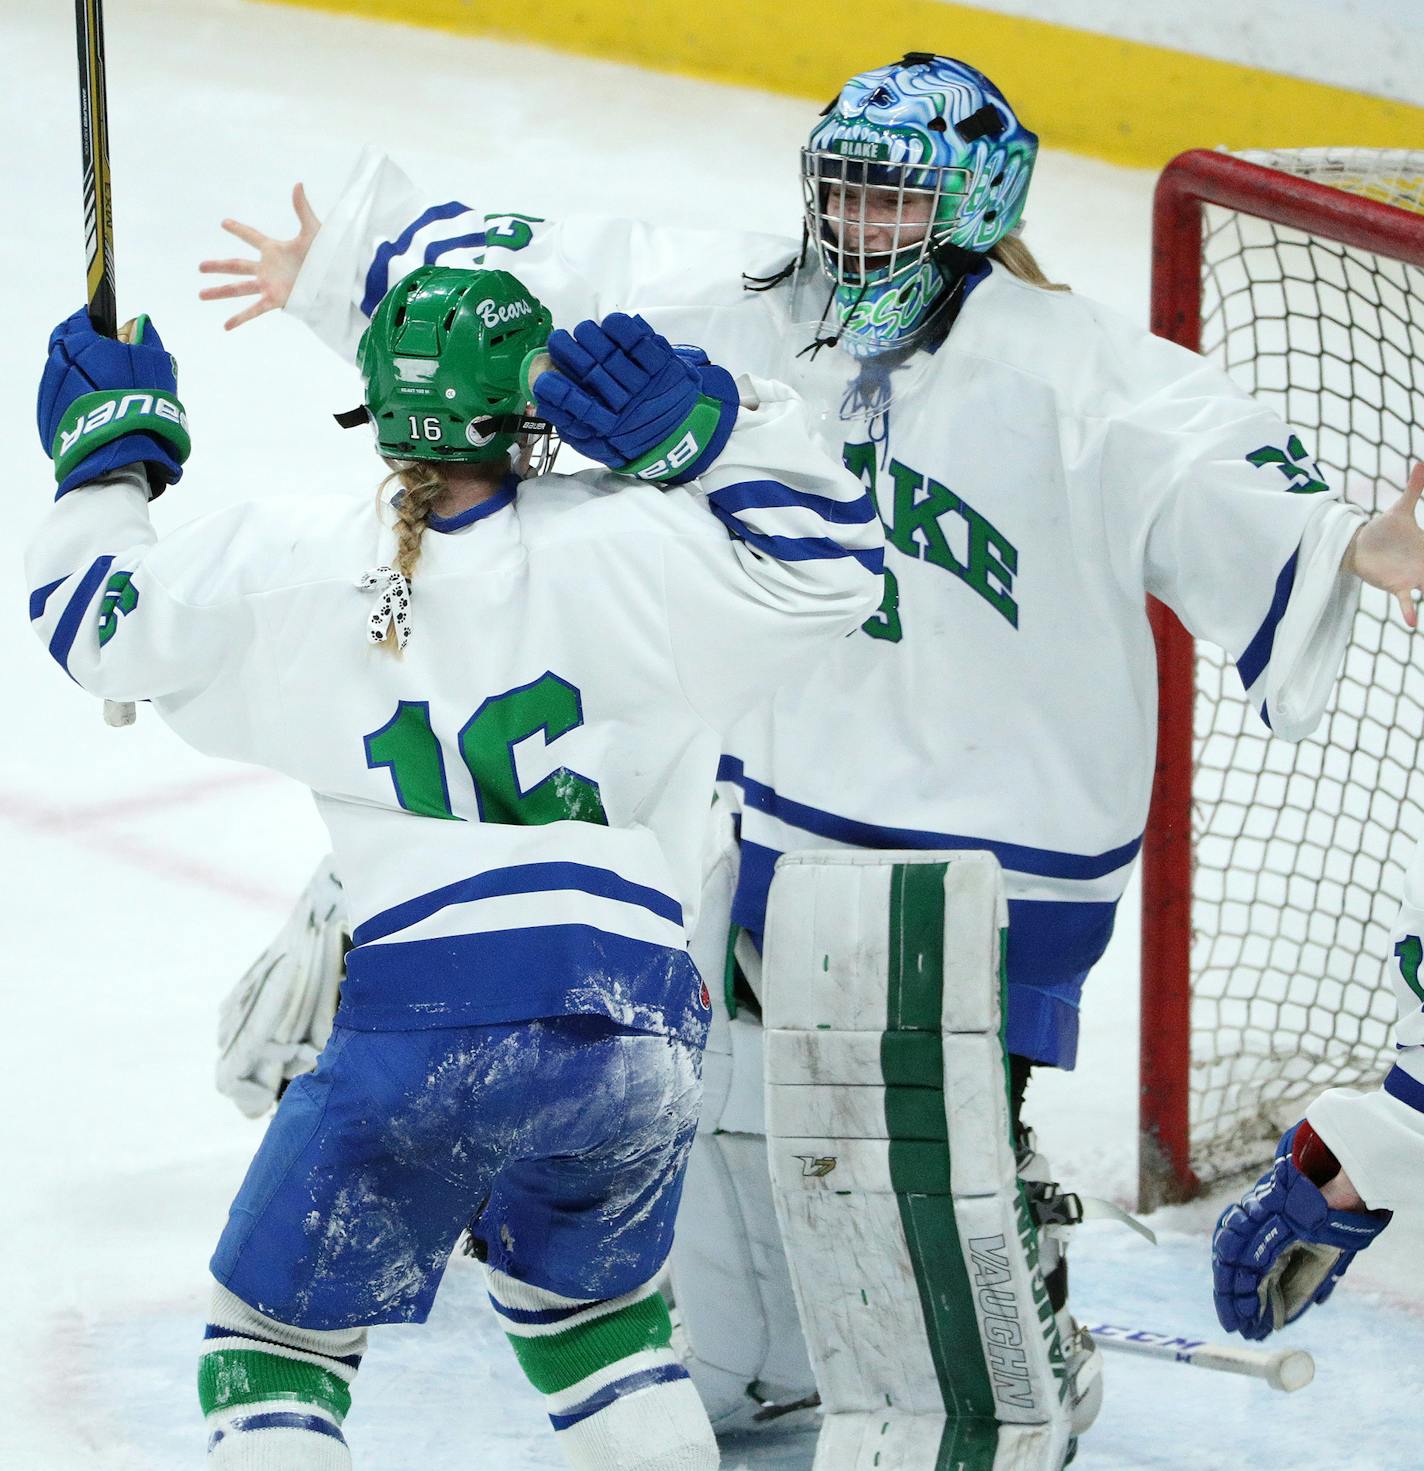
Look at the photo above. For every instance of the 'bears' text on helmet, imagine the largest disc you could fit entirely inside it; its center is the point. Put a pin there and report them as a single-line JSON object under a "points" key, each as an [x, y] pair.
{"points": [[443, 362], [911, 173]]}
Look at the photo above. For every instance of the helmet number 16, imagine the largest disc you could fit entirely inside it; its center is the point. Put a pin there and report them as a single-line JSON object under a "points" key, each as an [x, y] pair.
{"points": [[426, 428]]}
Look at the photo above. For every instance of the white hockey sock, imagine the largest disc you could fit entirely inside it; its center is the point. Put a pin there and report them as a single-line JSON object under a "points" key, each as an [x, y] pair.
{"points": [[617, 1397], [274, 1396]]}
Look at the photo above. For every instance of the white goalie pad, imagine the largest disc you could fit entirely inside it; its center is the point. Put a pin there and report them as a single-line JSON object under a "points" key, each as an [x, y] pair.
{"points": [[738, 1314], [276, 1019], [913, 1252]]}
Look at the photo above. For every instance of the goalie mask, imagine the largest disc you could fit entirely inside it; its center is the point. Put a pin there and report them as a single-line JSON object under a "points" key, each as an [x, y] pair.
{"points": [[444, 363], [915, 171]]}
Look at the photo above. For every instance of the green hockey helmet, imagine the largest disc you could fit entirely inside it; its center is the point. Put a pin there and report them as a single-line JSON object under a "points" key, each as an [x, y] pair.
{"points": [[444, 363]]}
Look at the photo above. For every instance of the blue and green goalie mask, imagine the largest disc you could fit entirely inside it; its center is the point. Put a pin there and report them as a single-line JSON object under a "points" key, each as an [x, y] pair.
{"points": [[913, 172]]}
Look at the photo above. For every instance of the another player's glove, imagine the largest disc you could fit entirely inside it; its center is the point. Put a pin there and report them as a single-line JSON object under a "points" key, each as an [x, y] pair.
{"points": [[104, 404], [277, 1018], [1282, 1249], [624, 396]]}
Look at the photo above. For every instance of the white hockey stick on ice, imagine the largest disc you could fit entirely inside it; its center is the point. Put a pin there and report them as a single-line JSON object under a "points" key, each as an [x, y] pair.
{"points": [[1286, 1369]]}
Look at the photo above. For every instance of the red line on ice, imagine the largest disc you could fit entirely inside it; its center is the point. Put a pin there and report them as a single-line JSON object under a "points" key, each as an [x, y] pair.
{"points": [[47, 817]]}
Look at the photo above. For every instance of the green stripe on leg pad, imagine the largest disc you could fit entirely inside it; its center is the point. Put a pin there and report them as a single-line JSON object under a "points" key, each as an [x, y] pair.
{"points": [[970, 1444], [911, 1059], [920, 1168], [948, 1306], [916, 970], [915, 1113]]}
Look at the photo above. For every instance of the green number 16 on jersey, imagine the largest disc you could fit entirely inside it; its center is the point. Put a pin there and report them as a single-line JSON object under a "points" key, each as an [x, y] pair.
{"points": [[408, 746]]}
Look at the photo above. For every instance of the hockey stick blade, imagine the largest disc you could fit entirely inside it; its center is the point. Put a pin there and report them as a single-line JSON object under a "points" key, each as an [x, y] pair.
{"points": [[1286, 1369]]}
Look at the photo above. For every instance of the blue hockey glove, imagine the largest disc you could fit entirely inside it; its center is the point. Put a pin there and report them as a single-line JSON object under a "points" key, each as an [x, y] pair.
{"points": [[624, 396], [1282, 1249], [104, 404]]}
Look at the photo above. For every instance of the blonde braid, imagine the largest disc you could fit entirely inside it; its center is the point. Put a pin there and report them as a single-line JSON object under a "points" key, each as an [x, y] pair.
{"points": [[422, 484], [1018, 260]]}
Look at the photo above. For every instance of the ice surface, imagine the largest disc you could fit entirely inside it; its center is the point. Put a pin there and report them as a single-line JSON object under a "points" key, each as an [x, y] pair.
{"points": [[139, 878]]}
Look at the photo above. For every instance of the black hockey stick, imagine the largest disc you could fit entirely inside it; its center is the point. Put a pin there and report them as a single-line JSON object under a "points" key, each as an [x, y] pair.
{"points": [[98, 205], [98, 193]]}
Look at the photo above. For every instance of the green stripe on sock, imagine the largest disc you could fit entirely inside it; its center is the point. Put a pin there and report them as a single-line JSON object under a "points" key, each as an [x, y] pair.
{"points": [[916, 968], [554, 1362], [247, 1376]]}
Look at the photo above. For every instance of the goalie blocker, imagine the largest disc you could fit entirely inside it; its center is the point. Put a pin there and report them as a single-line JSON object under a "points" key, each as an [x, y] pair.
{"points": [[912, 1246]]}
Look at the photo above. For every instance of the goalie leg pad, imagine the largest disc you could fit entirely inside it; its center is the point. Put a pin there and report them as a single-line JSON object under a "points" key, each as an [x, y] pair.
{"points": [[913, 1251], [729, 1272], [744, 1345]]}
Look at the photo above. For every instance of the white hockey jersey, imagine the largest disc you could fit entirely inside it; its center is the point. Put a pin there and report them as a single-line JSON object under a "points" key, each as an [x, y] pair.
{"points": [[518, 803], [1039, 473], [1378, 1136]]}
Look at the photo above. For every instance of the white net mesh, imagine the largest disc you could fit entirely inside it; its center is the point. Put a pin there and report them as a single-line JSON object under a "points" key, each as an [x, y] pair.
{"points": [[1299, 851]]}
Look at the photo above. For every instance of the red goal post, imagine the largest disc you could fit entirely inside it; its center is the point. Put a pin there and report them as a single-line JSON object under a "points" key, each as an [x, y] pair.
{"points": [[1351, 223]]}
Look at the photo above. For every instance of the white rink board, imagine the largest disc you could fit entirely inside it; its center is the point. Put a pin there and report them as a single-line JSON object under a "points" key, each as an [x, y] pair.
{"points": [[139, 879]]}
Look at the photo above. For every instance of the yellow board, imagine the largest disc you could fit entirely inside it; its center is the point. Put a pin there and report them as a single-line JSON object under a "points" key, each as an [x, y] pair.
{"points": [[1117, 100]]}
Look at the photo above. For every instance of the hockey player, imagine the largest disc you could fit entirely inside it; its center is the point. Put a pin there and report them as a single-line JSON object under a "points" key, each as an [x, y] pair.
{"points": [[1040, 465], [1341, 1172], [487, 681]]}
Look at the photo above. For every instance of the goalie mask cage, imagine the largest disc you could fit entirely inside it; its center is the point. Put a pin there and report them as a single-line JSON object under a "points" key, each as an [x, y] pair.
{"points": [[1272, 871]]}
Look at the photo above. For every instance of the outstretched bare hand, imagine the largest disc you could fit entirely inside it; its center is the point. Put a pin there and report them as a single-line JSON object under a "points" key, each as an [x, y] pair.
{"points": [[1388, 551], [272, 275]]}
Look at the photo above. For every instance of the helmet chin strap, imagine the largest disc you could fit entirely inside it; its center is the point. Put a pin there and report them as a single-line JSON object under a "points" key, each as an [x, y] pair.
{"points": [[955, 263], [955, 266]]}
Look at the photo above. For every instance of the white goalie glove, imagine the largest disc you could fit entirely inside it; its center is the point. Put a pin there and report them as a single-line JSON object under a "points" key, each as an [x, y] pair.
{"points": [[277, 1018]]}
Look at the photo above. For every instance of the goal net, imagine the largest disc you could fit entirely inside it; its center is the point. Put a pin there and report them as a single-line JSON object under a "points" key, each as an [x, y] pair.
{"points": [[1272, 871]]}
